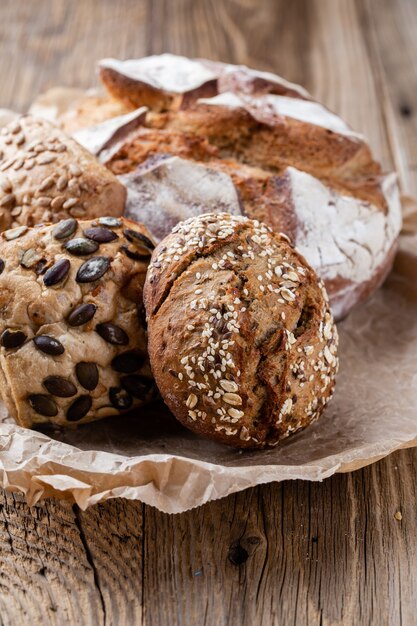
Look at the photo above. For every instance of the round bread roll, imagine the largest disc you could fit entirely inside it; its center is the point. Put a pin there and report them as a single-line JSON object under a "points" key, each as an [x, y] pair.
{"points": [[241, 340], [46, 176], [72, 329]]}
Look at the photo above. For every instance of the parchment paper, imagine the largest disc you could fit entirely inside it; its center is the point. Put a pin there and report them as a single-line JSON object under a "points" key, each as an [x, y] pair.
{"points": [[150, 457]]}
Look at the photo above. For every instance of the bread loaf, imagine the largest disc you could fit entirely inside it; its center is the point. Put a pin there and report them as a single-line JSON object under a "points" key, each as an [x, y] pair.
{"points": [[294, 164]]}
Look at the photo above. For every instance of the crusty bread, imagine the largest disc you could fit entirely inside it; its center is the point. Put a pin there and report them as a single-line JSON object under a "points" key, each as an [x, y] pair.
{"points": [[46, 176], [294, 164], [72, 330], [241, 340]]}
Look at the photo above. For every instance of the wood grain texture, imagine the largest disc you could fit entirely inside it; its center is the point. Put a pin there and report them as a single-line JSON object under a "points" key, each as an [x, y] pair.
{"points": [[294, 553]]}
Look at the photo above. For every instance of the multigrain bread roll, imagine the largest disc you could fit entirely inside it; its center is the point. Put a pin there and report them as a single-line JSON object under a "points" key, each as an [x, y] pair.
{"points": [[46, 176], [72, 330], [242, 344]]}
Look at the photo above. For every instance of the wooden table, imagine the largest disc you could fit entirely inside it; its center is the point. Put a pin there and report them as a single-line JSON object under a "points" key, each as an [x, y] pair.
{"points": [[292, 553]]}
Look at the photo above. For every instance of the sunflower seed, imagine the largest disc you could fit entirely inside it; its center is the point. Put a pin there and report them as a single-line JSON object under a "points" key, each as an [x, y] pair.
{"points": [[65, 228], [138, 386], [57, 272], [43, 404], [93, 269], [77, 211], [30, 258], [100, 234], [48, 345], [8, 200], [43, 201], [87, 374], [59, 386], [14, 233], [120, 398], [46, 183], [110, 222], [57, 202], [81, 314], [6, 185], [81, 247], [128, 362], [235, 413], [79, 408], [12, 338], [233, 399], [62, 182], [70, 203], [112, 334], [46, 158], [74, 169]]}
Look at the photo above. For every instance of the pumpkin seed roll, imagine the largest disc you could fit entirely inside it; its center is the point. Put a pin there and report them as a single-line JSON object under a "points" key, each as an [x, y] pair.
{"points": [[72, 329]]}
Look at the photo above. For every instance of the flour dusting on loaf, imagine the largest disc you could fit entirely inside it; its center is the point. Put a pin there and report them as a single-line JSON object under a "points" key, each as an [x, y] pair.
{"points": [[293, 163]]}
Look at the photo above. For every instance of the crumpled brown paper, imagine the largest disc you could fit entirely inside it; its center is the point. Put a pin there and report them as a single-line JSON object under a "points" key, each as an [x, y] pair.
{"points": [[151, 457]]}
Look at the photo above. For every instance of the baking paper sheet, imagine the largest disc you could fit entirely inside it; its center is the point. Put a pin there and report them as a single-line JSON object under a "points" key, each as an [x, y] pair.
{"points": [[150, 457]]}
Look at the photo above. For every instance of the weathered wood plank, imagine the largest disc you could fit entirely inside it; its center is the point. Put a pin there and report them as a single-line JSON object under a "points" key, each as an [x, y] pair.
{"points": [[294, 553]]}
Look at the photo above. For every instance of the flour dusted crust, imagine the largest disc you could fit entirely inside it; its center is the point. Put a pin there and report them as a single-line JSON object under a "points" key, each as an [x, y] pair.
{"points": [[72, 330], [184, 188], [46, 176], [241, 340], [294, 164]]}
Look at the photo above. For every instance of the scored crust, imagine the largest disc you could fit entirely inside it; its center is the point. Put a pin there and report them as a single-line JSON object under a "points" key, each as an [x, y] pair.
{"points": [[241, 340], [46, 176], [294, 164], [72, 329]]}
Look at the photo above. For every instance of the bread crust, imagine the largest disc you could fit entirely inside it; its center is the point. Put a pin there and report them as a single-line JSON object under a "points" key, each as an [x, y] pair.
{"points": [[45, 176], [241, 340], [72, 330]]}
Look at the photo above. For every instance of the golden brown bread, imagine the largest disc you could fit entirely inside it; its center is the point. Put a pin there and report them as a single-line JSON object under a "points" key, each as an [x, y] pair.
{"points": [[46, 176], [241, 340], [72, 331]]}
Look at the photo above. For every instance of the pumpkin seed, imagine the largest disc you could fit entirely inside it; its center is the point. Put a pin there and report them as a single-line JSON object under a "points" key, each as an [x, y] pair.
{"points": [[81, 314], [112, 334], [81, 247], [128, 362], [59, 386], [87, 374], [65, 228], [43, 404], [100, 234], [49, 345], [79, 408], [12, 338], [120, 398], [93, 269], [137, 385], [56, 273]]}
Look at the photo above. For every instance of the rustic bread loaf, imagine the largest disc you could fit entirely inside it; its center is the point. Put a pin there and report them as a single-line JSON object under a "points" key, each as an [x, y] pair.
{"points": [[46, 176], [241, 340], [72, 330], [294, 164]]}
